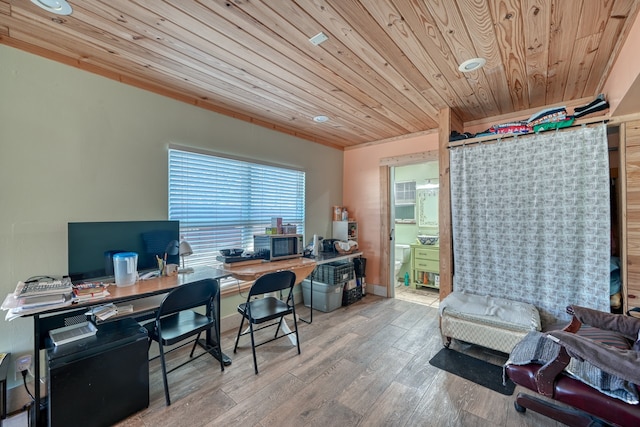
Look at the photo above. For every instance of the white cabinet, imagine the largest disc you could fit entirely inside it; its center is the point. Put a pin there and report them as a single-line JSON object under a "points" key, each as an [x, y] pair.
{"points": [[345, 230]]}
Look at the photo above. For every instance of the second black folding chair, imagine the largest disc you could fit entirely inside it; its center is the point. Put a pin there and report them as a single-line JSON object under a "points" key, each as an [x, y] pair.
{"points": [[269, 308]]}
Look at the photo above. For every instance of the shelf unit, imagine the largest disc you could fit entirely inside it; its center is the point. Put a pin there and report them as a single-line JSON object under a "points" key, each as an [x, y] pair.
{"points": [[425, 266], [345, 230]]}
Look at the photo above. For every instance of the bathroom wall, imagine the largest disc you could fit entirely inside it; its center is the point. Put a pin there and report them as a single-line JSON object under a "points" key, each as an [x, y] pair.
{"points": [[405, 233], [421, 173]]}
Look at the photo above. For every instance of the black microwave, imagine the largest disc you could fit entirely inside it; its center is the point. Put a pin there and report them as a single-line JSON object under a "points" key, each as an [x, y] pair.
{"points": [[273, 247]]}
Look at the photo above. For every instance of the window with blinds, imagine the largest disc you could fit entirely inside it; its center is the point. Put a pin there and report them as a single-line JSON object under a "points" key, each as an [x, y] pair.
{"points": [[222, 202]]}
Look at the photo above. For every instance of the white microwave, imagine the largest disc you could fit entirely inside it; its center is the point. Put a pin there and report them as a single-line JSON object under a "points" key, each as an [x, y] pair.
{"points": [[273, 247]]}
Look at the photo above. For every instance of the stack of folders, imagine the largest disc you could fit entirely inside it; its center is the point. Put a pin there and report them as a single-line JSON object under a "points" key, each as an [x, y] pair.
{"points": [[42, 294]]}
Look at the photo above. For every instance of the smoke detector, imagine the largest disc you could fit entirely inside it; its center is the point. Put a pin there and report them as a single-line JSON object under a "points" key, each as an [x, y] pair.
{"points": [[319, 38]]}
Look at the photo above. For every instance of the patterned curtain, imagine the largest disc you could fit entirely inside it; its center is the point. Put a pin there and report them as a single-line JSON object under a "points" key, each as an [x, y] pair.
{"points": [[531, 220]]}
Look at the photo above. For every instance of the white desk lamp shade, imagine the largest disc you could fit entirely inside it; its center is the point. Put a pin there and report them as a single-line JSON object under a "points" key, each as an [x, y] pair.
{"points": [[185, 250]]}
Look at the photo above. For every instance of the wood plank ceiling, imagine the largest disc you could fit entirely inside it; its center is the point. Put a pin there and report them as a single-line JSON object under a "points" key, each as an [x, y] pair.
{"points": [[385, 71]]}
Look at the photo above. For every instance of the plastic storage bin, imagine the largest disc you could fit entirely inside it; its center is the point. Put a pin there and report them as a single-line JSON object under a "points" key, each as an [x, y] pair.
{"points": [[325, 297], [333, 273]]}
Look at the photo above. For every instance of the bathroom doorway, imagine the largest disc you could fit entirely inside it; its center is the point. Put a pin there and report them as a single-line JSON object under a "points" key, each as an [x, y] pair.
{"points": [[414, 216]]}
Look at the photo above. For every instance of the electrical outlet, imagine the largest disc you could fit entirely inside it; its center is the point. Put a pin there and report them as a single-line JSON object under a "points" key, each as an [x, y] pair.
{"points": [[23, 363]]}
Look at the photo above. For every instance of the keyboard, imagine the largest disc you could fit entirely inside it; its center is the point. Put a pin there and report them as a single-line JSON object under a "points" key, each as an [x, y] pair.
{"points": [[31, 289]]}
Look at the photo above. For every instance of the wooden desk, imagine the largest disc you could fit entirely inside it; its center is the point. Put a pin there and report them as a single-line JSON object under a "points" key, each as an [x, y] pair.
{"points": [[301, 266], [140, 292]]}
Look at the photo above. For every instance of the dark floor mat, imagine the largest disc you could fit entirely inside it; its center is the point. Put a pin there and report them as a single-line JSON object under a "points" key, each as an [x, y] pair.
{"points": [[475, 370]]}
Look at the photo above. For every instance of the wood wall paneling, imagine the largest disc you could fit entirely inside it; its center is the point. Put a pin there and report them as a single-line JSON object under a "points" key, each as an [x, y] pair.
{"points": [[631, 219]]}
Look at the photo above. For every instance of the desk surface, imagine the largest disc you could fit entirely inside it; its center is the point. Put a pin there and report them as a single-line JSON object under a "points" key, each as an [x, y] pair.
{"points": [[301, 266], [141, 289], [327, 257], [161, 285]]}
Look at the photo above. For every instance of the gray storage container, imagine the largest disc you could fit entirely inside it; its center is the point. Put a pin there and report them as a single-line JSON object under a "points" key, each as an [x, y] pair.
{"points": [[325, 297]]}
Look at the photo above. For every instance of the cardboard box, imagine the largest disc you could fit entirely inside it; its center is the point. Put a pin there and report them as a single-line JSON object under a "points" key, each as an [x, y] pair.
{"points": [[277, 223]]}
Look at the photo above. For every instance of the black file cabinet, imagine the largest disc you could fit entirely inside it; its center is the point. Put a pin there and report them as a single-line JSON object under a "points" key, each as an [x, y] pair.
{"points": [[100, 380]]}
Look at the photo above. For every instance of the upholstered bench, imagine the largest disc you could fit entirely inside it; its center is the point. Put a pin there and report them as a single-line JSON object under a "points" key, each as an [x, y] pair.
{"points": [[495, 323]]}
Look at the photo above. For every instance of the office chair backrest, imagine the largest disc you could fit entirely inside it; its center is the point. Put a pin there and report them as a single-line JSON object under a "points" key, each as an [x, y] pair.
{"points": [[272, 282], [189, 295]]}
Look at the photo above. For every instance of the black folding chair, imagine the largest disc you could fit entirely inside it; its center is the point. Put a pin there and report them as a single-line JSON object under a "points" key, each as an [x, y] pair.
{"points": [[176, 321], [268, 308]]}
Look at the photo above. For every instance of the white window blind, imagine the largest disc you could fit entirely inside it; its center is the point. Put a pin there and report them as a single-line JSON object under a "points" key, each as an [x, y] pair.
{"points": [[222, 202]]}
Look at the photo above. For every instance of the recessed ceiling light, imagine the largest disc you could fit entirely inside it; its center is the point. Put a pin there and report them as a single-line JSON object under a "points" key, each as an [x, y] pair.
{"points": [[320, 119], [472, 64], [59, 7]]}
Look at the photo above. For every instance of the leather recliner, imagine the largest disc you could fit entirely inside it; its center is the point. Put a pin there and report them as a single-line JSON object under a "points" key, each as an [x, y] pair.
{"points": [[582, 404]]}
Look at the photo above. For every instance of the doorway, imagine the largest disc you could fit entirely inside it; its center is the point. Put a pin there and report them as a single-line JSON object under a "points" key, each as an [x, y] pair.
{"points": [[413, 210]]}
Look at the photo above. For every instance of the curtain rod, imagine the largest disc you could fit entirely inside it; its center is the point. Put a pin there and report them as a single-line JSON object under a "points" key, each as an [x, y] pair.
{"points": [[498, 137]]}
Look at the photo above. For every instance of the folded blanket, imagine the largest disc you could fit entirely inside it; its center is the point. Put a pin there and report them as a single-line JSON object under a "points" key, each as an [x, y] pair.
{"points": [[537, 348]]}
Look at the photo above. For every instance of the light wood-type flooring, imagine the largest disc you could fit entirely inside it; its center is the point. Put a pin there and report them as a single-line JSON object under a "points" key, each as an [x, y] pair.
{"points": [[362, 365]]}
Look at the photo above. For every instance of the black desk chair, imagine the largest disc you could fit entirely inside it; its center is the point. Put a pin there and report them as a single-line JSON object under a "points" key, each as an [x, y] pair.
{"points": [[268, 308], [176, 321]]}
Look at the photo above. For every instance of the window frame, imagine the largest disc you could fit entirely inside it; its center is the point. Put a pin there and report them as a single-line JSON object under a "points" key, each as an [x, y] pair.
{"points": [[205, 197]]}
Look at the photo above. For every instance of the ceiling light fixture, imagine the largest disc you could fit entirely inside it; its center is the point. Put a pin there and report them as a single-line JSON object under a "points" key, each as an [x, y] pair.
{"points": [[428, 185], [319, 38], [59, 7], [472, 64], [320, 119]]}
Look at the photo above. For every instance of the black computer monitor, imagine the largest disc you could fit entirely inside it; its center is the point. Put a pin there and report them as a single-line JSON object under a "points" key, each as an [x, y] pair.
{"points": [[91, 246]]}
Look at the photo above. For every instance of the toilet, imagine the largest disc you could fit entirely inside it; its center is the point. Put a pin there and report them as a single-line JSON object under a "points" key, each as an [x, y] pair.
{"points": [[402, 255]]}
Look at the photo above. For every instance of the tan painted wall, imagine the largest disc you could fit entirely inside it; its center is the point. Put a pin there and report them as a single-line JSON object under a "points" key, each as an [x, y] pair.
{"points": [[79, 147]]}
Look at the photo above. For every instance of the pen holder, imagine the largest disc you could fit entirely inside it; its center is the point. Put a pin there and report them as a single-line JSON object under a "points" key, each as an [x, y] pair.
{"points": [[161, 266]]}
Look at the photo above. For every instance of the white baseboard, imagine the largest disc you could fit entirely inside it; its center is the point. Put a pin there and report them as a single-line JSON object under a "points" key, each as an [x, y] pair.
{"points": [[381, 291]]}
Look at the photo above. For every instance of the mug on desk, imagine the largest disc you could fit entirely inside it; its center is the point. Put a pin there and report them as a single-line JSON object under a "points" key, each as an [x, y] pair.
{"points": [[171, 269]]}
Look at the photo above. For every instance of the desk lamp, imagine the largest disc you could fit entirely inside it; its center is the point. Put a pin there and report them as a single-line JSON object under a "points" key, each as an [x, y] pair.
{"points": [[185, 250]]}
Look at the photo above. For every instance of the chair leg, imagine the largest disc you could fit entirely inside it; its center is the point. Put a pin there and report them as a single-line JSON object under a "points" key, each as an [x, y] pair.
{"points": [[295, 326], [279, 325], [219, 345], [164, 373], [253, 348], [239, 331], [195, 343]]}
